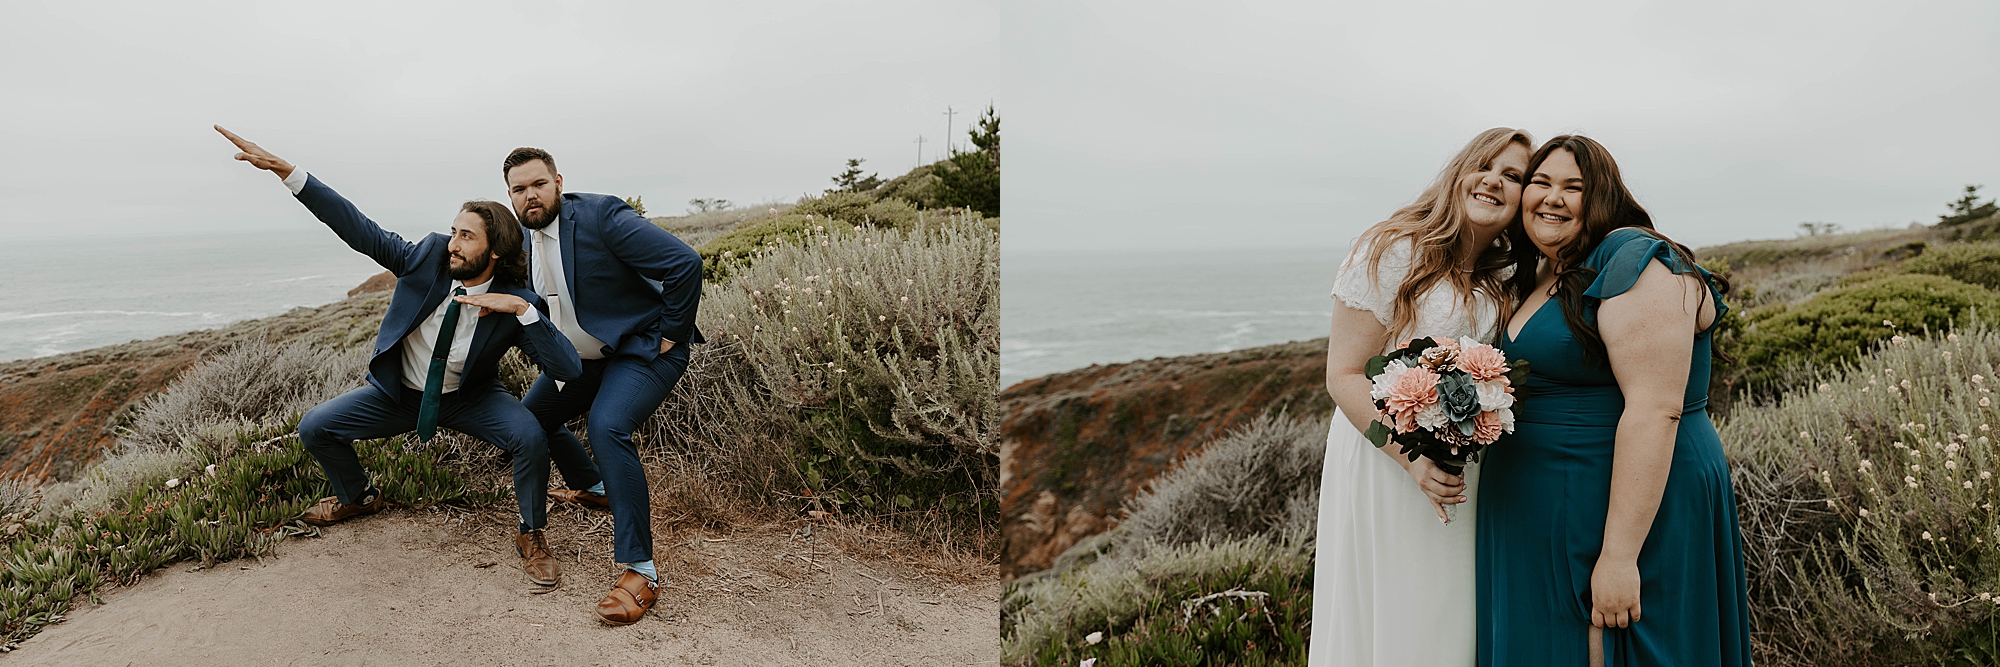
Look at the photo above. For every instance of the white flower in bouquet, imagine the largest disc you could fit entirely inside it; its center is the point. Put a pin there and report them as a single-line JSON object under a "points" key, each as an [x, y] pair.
{"points": [[1394, 370], [1432, 417], [1493, 395]]}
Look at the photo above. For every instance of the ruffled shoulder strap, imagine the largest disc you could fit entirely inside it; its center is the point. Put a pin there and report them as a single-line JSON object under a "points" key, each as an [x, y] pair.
{"points": [[1355, 286], [1625, 253]]}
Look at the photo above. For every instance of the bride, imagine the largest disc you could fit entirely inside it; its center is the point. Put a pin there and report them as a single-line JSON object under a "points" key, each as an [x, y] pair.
{"points": [[1392, 580]]}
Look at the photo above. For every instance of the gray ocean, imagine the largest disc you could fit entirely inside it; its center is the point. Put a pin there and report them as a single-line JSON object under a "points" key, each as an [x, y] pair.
{"points": [[1066, 310], [75, 293]]}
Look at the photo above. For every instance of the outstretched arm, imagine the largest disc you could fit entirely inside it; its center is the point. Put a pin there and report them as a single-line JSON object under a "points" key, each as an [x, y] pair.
{"points": [[545, 345], [360, 233]]}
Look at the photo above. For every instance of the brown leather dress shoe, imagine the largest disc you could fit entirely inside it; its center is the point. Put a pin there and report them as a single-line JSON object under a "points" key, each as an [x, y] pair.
{"points": [[629, 600], [536, 560], [595, 501], [330, 510]]}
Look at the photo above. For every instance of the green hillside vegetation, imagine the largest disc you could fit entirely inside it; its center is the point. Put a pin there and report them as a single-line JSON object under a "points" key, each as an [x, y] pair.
{"points": [[848, 373], [1863, 455]]}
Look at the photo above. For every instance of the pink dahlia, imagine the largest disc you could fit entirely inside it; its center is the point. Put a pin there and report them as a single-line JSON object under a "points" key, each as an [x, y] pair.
{"points": [[1411, 391], [1486, 428], [1483, 362]]}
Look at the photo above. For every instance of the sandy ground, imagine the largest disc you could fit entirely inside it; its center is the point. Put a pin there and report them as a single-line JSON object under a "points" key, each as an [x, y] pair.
{"points": [[445, 587]]}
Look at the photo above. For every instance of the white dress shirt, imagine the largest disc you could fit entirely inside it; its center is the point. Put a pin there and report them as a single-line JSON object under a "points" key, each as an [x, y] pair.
{"points": [[547, 274], [417, 346]]}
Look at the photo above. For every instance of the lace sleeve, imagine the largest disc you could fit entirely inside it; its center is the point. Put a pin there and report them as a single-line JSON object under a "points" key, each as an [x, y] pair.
{"points": [[1354, 287]]}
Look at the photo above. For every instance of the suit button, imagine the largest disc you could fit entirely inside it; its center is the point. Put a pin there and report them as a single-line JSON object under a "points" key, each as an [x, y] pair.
{"points": [[606, 350]]}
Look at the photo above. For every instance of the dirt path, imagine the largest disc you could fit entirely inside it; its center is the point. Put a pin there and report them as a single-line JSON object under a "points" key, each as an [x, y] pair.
{"points": [[406, 588]]}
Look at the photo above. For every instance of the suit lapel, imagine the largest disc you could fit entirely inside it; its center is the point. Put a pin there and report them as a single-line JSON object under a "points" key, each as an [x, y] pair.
{"points": [[568, 234], [480, 335], [435, 296]]}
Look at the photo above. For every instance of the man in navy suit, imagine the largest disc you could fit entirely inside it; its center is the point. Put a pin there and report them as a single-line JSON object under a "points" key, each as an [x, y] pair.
{"points": [[435, 363], [624, 292]]}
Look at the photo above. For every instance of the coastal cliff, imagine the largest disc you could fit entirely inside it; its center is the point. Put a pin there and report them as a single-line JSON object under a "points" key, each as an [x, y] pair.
{"points": [[1075, 445], [60, 413]]}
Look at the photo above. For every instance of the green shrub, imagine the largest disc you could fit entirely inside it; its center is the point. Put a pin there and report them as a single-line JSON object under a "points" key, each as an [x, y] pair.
{"points": [[1975, 263], [1239, 517], [1140, 602], [739, 248], [1833, 327], [918, 187], [861, 208], [151, 508], [852, 370], [1867, 508]]}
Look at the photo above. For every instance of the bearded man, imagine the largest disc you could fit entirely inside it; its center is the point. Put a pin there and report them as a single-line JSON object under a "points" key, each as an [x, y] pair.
{"points": [[437, 356], [624, 292]]}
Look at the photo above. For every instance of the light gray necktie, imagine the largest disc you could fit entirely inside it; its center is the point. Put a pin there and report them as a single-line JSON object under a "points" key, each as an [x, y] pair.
{"points": [[549, 285]]}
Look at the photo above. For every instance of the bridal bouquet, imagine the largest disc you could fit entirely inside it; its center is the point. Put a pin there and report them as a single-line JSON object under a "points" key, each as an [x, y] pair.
{"points": [[1444, 399]]}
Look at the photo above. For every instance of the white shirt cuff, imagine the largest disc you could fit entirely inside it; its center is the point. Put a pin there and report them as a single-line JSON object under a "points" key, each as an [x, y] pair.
{"points": [[297, 181], [530, 317]]}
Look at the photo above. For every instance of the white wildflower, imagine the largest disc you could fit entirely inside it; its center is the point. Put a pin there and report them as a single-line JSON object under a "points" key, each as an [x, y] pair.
{"points": [[1093, 638], [173, 482]]}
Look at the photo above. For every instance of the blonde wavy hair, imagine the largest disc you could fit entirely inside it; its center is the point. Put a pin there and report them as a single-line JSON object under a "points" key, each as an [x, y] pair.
{"points": [[1436, 228]]}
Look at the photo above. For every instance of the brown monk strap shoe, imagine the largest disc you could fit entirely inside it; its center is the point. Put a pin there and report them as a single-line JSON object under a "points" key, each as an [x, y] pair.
{"points": [[536, 560], [595, 501], [629, 600], [330, 510]]}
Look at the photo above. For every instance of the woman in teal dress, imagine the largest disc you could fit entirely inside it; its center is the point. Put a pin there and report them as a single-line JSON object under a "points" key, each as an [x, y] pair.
{"points": [[1607, 523]]}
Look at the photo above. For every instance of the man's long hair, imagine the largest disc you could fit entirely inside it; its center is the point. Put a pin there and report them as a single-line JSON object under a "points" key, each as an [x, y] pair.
{"points": [[503, 240], [1436, 228]]}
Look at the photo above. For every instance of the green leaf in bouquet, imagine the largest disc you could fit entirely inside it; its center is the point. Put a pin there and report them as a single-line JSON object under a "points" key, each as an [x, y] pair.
{"points": [[1517, 372], [1377, 433], [1376, 365], [1418, 345]]}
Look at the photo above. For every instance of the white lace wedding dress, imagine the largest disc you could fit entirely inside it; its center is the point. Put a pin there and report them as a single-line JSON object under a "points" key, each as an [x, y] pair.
{"points": [[1391, 585]]}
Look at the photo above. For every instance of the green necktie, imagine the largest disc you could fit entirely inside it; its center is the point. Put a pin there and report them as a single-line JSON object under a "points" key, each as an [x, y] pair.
{"points": [[427, 415]]}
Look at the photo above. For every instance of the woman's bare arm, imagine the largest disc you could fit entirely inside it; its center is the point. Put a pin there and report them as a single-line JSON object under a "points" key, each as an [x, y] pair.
{"points": [[1355, 338], [1648, 334]]}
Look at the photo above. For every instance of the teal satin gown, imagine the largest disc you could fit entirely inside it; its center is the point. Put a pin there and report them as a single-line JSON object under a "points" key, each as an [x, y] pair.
{"points": [[1545, 490]]}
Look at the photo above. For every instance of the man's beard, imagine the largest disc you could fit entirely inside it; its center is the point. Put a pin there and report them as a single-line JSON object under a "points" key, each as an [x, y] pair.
{"points": [[545, 215], [472, 267]]}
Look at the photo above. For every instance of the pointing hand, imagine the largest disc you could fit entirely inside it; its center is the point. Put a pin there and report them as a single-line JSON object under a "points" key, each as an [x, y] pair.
{"points": [[256, 155]]}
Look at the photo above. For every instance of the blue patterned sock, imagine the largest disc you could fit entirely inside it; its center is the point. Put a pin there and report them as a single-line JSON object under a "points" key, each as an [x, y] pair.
{"points": [[645, 567], [599, 489]]}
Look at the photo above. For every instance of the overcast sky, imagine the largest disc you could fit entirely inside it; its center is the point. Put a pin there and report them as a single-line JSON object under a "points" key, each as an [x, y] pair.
{"points": [[1301, 123], [408, 107]]}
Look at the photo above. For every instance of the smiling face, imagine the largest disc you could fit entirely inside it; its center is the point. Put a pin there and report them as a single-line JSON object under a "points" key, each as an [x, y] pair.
{"points": [[1491, 193], [536, 192], [1552, 203], [471, 263]]}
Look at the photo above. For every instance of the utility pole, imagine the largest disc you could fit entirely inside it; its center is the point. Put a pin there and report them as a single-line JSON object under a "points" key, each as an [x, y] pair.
{"points": [[948, 113], [920, 150]]}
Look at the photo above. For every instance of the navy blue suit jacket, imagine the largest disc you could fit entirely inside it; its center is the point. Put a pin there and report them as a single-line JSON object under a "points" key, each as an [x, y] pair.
{"points": [[422, 282], [633, 283]]}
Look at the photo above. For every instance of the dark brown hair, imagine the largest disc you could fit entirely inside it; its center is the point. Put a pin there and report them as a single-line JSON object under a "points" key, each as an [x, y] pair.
{"points": [[1607, 206], [503, 239], [524, 155]]}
